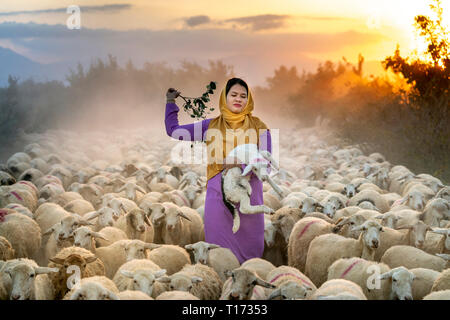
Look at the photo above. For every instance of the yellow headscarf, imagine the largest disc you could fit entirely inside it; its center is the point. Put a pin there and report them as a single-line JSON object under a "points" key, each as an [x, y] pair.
{"points": [[219, 139]]}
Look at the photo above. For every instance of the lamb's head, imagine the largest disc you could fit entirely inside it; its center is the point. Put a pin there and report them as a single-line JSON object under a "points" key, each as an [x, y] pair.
{"points": [[136, 249], [92, 291], [84, 237], [105, 217], [401, 279], [290, 290], [370, 233], [418, 232], [143, 279], [181, 281], [414, 199], [201, 250], [388, 219], [331, 205], [23, 274], [191, 192], [137, 219], [242, 283]]}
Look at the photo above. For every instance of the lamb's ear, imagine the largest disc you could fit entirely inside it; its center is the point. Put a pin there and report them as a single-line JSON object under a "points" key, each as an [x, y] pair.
{"points": [[98, 236], [91, 259], [387, 275], [50, 230], [181, 214], [164, 279], [152, 246], [266, 154], [359, 228], [57, 260], [188, 247], [91, 215], [263, 283], [444, 256], [247, 170], [45, 270], [195, 279]]}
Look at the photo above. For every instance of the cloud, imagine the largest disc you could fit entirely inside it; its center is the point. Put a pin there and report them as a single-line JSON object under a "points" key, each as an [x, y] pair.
{"points": [[261, 22], [197, 20], [104, 8], [326, 18]]}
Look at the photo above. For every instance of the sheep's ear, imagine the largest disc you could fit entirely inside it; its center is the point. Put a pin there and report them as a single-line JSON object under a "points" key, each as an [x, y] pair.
{"points": [[439, 231], [57, 260], [228, 273], [381, 216], [98, 236], [49, 231], [127, 273], [45, 270], [247, 170], [181, 214], [359, 228], [195, 279], [160, 273], [386, 275], [83, 222], [152, 246], [91, 259], [401, 227], [147, 221], [91, 215]]}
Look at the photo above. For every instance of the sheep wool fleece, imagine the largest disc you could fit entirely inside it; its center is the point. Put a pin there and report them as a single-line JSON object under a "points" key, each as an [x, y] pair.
{"points": [[248, 241]]}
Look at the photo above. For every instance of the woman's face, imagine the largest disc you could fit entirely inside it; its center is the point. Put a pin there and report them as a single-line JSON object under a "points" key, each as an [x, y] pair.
{"points": [[237, 98]]}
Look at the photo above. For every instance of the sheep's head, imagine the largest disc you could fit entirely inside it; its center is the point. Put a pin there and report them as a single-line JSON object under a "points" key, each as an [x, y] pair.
{"points": [[143, 279], [92, 291], [414, 199], [105, 217], [352, 221], [446, 233], [370, 233], [401, 279], [309, 204], [444, 193], [284, 221], [201, 250], [137, 219], [350, 190], [157, 212], [418, 232], [181, 282], [84, 237], [136, 249], [173, 217], [291, 290], [191, 192], [23, 275], [242, 283], [331, 205], [388, 219]]}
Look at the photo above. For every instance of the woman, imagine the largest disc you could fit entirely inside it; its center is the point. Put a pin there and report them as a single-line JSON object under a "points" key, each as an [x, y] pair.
{"points": [[236, 106]]}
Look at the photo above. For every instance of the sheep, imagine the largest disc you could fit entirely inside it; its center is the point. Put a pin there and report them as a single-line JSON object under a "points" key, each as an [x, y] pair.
{"points": [[271, 201], [19, 195], [48, 179], [437, 241], [104, 217], [48, 214], [444, 193], [242, 284], [84, 237], [131, 191], [332, 202], [134, 225], [372, 196], [274, 244], [87, 263], [92, 193], [26, 281], [412, 234], [50, 191], [344, 225], [6, 179], [20, 209], [200, 280], [338, 289], [411, 257], [79, 206], [412, 200], [172, 258], [133, 295], [182, 225], [64, 198], [435, 211], [176, 295], [442, 282], [220, 259], [237, 189], [7, 252], [438, 295], [140, 274], [290, 284], [303, 232], [93, 288], [23, 233], [119, 252], [112, 234], [190, 178], [325, 249], [423, 282], [260, 266]]}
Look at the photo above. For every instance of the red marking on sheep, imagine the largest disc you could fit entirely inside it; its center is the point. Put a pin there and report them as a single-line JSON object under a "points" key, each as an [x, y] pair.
{"points": [[292, 275], [29, 184], [183, 199], [350, 267], [305, 229], [3, 214], [15, 194]]}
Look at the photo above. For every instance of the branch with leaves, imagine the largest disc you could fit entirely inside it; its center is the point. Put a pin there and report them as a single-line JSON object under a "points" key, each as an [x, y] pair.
{"points": [[196, 107]]}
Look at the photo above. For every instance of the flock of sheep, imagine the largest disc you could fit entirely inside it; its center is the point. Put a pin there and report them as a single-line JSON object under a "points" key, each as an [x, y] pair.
{"points": [[111, 216]]}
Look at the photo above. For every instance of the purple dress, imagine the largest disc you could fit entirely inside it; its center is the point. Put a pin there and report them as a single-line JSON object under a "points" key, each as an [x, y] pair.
{"points": [[248, 241]]}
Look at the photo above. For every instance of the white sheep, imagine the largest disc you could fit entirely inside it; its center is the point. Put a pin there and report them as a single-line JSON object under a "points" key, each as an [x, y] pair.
{"points": [[7, 252], [136, 225], [242, 284], [199, 279], [411, 257], [176, 295], [442, 282], [26, 281], [172, 258], [327, 248], [142, 275], [260, 266], [438, 295], [290, 284], [93, 288], [372, 196], [133, 295], [423, 282], [220, 259], [112, 234], [84, 237], [338, 289]]}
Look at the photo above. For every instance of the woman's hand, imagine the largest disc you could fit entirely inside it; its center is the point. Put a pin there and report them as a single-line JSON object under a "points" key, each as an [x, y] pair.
{"points": [[172, 94]]}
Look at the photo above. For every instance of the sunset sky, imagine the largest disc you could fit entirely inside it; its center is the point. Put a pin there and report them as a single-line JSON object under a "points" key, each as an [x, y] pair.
{"points": [[256, 36]]}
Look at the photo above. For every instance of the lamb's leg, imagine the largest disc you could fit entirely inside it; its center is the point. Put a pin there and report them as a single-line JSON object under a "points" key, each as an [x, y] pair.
{"points": [[236, 221], [247, 208]]}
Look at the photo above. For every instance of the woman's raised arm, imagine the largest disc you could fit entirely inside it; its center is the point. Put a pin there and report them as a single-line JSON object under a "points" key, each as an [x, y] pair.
{"points": [[188, 132]]}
